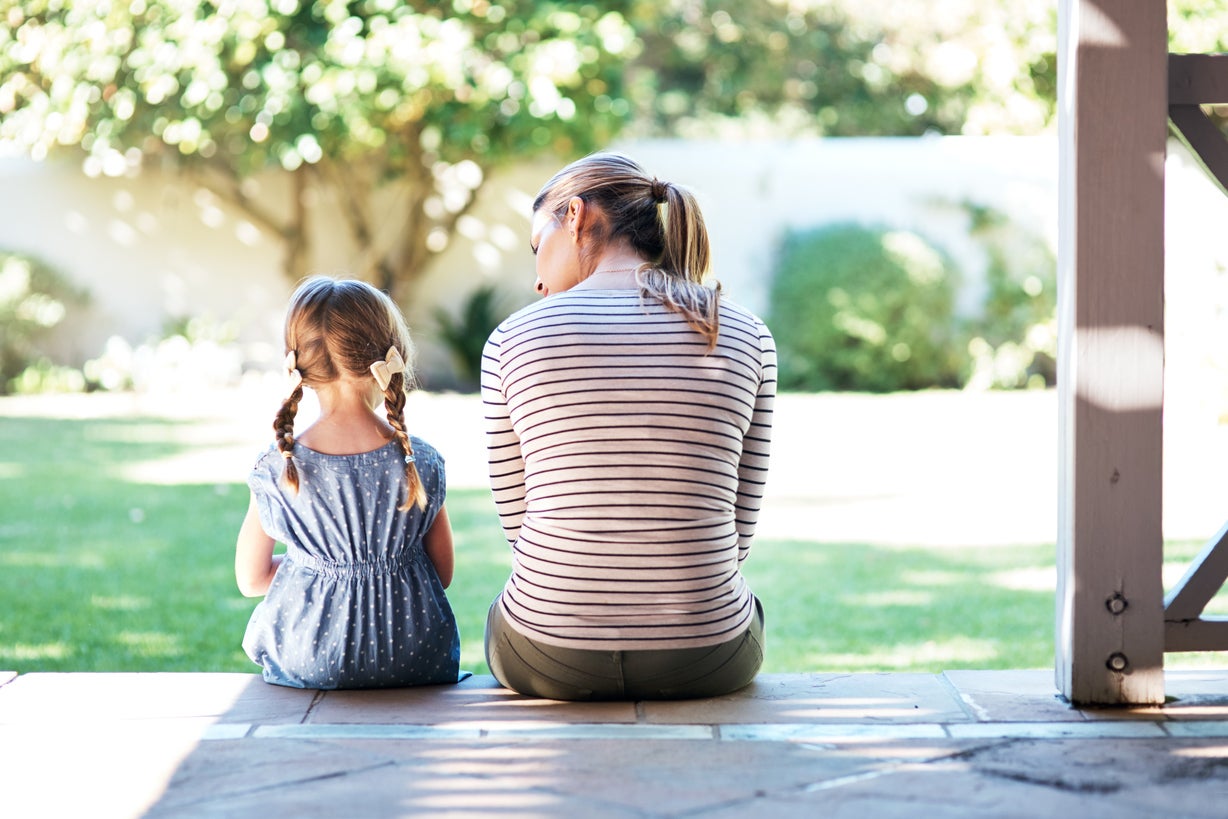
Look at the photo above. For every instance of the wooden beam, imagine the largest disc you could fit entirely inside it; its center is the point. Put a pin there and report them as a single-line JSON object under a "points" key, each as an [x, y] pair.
{"points": [[1202, 580], [1205, 141], [1204, 634], [1112, 128], [1198, 79]]}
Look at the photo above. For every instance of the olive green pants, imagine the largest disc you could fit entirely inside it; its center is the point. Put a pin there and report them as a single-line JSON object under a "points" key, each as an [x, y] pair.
{"points": [[541, 670]]}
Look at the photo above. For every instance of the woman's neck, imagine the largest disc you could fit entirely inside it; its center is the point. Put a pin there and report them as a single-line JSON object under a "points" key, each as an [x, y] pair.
{"points": [[614, 270]]}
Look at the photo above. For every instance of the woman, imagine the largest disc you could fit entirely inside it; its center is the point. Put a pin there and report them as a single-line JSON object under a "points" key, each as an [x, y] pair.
{"points": [[629, 419]]}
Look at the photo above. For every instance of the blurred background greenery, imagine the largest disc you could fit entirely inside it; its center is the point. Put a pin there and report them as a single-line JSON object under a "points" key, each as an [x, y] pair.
{"points": [[419, 103], [367, 102]]}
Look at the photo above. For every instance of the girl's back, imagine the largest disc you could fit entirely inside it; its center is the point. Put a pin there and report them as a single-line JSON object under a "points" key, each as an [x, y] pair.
{"points": [[356, 602]]}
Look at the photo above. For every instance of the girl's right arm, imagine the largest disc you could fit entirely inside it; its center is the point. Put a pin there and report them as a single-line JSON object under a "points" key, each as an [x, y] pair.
{"points": [[255, 563], [438, 545]]}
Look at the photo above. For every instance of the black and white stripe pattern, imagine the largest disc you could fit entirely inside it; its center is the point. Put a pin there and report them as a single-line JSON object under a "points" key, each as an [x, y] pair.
{"points": [[628, 465]]}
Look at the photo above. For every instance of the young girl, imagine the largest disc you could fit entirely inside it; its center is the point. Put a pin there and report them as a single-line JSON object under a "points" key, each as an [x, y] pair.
{"points": [[357, 601]]}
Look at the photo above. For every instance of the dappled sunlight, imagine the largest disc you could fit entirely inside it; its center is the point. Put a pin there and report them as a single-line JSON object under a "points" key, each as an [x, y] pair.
{"points": [[26, 653], [45, 560], [856, 709], [513, 700], [1037, 579], [499, 779], [120, 603], [931, 578], [958, 652], [1207, 752], [497, 796], [894, 597], [503, 759], [875, 748], [10, 472], [1196, 710], [151, 643]]}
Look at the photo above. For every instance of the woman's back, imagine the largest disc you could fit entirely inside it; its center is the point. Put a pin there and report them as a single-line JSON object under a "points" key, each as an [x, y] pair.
{"points": [[628, 462]]}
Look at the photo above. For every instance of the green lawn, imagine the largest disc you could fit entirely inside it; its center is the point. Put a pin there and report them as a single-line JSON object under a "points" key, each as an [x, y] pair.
{"points": [[101, 573]]}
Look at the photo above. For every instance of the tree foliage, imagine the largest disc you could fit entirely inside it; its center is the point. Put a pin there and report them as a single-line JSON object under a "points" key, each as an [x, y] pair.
{"points": [[398, 111], [349, 97], [844, 68]]}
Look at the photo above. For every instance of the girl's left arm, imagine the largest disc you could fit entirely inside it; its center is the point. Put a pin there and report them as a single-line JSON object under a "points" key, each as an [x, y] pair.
{"points": [[438, 545], [255, 563]]}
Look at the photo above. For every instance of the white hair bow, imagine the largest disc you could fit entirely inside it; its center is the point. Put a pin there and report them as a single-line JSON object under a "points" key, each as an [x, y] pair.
{"points": [[384, 370], [295, 377]]}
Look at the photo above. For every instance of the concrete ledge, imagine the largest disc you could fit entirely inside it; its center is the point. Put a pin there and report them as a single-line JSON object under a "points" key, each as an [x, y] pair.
{"points": [[186, 744]]}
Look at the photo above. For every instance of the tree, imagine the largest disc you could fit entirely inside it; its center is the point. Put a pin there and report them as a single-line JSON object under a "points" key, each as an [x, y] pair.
{"points": [[844, 67], [399, 110], [377, 103]]}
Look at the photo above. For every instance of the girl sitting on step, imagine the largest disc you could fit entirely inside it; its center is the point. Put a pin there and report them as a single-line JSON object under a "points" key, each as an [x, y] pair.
{"points": [[357, 600]]}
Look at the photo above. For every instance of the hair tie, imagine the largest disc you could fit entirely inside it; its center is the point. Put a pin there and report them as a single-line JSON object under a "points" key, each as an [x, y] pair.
{"points": [[391, 365], [659, 190], [292, 372]]}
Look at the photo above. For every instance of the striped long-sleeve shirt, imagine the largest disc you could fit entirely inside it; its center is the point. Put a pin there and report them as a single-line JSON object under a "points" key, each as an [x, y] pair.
{"points": [[628, 465]]}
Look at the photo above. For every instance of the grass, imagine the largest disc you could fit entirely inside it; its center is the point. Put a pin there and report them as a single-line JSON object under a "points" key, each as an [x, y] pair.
{"points": [[101, 572]]}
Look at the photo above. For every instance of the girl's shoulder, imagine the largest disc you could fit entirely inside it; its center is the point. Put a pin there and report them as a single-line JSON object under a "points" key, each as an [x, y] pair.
{"points": [[424, 453], [268, 456]]}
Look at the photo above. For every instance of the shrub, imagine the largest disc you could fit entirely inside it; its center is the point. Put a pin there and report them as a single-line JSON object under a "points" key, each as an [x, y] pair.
{"points": [[465, 334], [866, 309], [34, 299], [1014, 340]]}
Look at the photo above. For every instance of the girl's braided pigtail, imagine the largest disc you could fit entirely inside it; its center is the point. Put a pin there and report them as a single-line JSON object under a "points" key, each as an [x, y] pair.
{"points": [[394, 405], [283, 425]]}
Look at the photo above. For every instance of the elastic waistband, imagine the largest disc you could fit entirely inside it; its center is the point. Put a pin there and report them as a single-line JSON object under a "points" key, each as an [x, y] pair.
{"points": [[361, 568]]}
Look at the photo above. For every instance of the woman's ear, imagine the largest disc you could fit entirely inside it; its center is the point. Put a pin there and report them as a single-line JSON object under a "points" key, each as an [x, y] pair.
{"points": [[577, 214]]}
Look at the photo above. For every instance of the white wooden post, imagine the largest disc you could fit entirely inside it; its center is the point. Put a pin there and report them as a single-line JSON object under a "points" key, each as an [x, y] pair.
{"points": [[1112, 127]]}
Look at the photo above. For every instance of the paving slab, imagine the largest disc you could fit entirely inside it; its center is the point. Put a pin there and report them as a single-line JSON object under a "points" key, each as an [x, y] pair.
{"points": [[101, 770], [477, 698], [555, 777], [78, 697], [805, 698], [1012, 696], [958, 744], [1190, 695]]}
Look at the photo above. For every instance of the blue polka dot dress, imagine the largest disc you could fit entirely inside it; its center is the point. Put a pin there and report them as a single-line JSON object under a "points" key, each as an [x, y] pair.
{"points": [[356, 602]]}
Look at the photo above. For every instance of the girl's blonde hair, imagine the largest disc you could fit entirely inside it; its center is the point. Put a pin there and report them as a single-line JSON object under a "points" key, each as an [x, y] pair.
{"points": [[661, 221], [343, 326]]}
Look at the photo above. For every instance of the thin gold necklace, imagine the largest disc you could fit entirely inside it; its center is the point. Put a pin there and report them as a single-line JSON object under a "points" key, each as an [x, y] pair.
{"points": [[617, 270]]}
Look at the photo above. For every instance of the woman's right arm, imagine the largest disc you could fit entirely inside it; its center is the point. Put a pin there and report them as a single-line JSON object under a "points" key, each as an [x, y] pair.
{"points": [[502, 444], [255, 563]]}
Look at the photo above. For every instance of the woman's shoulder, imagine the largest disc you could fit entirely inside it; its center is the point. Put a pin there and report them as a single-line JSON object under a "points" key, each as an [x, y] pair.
{"points": [[735, 313], [735, 309], [565, 305]]}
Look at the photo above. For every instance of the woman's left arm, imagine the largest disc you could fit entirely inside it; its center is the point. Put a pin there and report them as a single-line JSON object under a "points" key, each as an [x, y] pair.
{"points": [[756, 446], [255, 563]]}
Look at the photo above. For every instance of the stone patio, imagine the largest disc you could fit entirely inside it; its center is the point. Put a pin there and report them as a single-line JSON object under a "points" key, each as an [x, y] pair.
{"points": [[962, 743]]}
